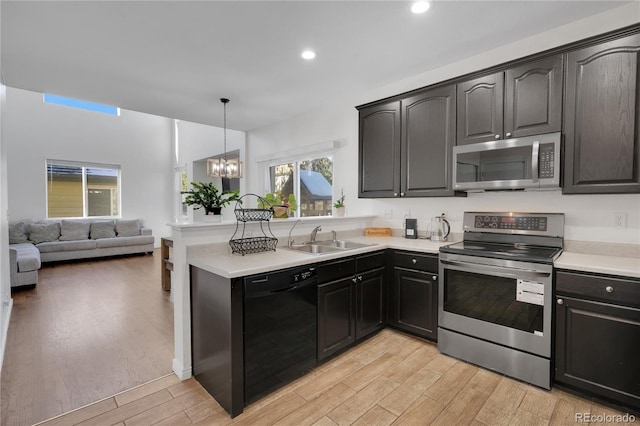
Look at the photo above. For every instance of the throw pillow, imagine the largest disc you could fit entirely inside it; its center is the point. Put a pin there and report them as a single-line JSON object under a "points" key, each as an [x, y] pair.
{"points": [[72, 230], [42, 232], [103, 229], [18, 233], [127, 228]]}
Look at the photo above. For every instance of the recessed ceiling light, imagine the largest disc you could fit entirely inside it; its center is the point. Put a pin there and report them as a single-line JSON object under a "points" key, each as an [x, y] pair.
{"points": [[420, 6], [308, 54]]}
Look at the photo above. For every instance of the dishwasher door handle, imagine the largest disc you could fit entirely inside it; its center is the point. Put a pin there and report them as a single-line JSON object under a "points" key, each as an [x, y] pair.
{"points": [[301, 284]]}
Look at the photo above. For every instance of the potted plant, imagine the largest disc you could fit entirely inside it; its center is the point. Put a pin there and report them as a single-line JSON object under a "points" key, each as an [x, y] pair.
{"points": [[339, 204], [282, 206], [205, 194]]}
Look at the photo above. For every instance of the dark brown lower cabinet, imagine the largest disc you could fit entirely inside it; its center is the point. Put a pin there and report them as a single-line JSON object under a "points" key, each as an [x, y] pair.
{"points": [[352, 304], [415, 302], [597, 342], [370, 302], [336, 316]]}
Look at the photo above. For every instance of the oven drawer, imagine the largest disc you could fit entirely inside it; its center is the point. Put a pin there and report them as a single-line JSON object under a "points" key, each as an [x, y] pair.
{"points": [[419, 262], [620, 291]]}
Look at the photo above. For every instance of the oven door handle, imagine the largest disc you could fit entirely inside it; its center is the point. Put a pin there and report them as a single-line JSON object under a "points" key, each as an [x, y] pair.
{"points": [[477, 267]]}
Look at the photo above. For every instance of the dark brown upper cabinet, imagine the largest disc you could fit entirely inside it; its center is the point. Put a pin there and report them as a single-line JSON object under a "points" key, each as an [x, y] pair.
{"points": [[406, 146], [428, 136], [602, 118], [521, 101], [480, 109], [379, 151], [533, 98]]}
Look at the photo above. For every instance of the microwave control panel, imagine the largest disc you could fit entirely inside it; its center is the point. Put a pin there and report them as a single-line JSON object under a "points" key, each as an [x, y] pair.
{"points": [[546, 162]]}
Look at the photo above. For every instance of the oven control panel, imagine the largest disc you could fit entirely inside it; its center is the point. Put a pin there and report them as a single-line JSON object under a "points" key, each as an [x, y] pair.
{"points": [[518, 223]]}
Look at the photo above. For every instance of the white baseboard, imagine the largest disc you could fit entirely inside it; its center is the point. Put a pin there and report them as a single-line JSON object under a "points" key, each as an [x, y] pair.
{"points": [[5, 331], [182, 372]]}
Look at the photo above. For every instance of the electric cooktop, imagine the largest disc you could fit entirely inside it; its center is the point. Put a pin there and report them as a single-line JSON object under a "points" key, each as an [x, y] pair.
{"points": [[515, 251]]}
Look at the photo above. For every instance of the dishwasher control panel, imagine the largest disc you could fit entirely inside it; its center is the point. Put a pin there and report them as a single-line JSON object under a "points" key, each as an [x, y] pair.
{"points": [[304, 275]]}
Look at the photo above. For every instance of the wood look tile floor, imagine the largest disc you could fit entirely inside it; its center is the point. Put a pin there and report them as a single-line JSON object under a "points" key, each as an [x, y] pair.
{"points": [[389, 379], [89, 330]]}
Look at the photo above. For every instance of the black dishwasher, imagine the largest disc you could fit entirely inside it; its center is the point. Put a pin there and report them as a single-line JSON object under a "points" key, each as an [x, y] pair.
{"points": [[280, 322]]}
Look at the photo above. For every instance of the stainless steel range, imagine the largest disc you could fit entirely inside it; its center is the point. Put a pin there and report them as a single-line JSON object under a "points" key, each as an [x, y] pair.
{"points": [[495, 293]]}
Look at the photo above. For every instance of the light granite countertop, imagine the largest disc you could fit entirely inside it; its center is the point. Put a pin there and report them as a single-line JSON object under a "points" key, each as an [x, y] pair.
{"points": [[602, 264], [217, 258]]}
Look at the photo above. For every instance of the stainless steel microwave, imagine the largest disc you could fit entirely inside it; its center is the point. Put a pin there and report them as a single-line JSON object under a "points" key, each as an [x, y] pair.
{"points": [[531, 162]]}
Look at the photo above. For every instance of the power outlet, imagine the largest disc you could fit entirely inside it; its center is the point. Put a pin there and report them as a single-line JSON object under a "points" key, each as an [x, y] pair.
{"points": [[388, 213], [619, 220]]}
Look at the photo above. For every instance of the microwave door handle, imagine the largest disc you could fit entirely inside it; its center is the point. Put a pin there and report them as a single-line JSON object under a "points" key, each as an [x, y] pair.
{"points": [[535, 155]]}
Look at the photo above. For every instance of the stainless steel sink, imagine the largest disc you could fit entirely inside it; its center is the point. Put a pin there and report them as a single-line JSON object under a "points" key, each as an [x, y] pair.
{"points": [[324, 247], [342, 244], [314, 248]]}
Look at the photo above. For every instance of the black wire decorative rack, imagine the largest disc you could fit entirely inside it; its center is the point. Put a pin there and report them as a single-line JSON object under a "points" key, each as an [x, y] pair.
{"points": [[247, 245]]}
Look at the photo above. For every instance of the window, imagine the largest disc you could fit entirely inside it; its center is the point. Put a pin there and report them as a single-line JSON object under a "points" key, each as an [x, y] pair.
{"points": [[77, 103], [82, 190], [310, 180]]}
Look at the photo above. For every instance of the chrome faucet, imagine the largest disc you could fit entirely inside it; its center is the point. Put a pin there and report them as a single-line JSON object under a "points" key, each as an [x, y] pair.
{"points": [[290, 240], [312, 239], [333, 235]]}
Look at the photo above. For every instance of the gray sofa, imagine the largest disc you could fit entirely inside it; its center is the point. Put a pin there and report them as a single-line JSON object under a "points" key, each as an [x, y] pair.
{"points": [[33, 243]]}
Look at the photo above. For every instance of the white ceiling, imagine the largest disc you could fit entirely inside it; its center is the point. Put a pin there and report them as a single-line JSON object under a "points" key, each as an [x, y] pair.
{"points": [[177, 58]]}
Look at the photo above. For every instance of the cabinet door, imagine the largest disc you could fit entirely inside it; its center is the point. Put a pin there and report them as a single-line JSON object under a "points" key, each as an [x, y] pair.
{"points": [[602, 119], [533, 98], [428, 136], [370, 302], [379, 151], [597, 347], [336, 316], [415, 302], [480, 109]]}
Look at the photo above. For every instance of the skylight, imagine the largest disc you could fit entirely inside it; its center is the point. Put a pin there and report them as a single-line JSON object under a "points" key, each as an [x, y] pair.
{"points": [[77, 103]]}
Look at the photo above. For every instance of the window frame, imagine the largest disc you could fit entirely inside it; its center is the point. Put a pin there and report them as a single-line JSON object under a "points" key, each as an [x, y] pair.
{"points": [[85, 195], [296, 157]]}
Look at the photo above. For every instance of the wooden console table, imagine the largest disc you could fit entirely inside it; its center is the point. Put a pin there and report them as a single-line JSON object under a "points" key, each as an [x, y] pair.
{"points": [[167, 262]]}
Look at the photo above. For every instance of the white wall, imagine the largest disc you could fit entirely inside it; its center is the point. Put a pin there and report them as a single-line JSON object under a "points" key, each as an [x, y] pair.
{"points": [[140, 143], [588, 217], [5, 284]]}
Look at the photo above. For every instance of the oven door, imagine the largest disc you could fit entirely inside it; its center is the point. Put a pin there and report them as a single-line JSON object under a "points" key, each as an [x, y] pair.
{"points": [[500, 301]]}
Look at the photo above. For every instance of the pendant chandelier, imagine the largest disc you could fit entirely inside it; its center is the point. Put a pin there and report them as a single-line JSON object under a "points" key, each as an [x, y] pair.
{"points": [[224, 167]]}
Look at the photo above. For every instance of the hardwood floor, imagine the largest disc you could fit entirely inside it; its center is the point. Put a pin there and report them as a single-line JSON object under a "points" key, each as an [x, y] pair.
{"points": [[89, 330], [390, 379]]}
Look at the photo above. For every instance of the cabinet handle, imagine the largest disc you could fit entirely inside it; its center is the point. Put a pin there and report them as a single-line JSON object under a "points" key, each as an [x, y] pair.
{"points": [[402, 194], [395, 194], [359, 277], [560, 302], [434, 277], [414, 261], [609, 289], [508, 134], [497, 136]]}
